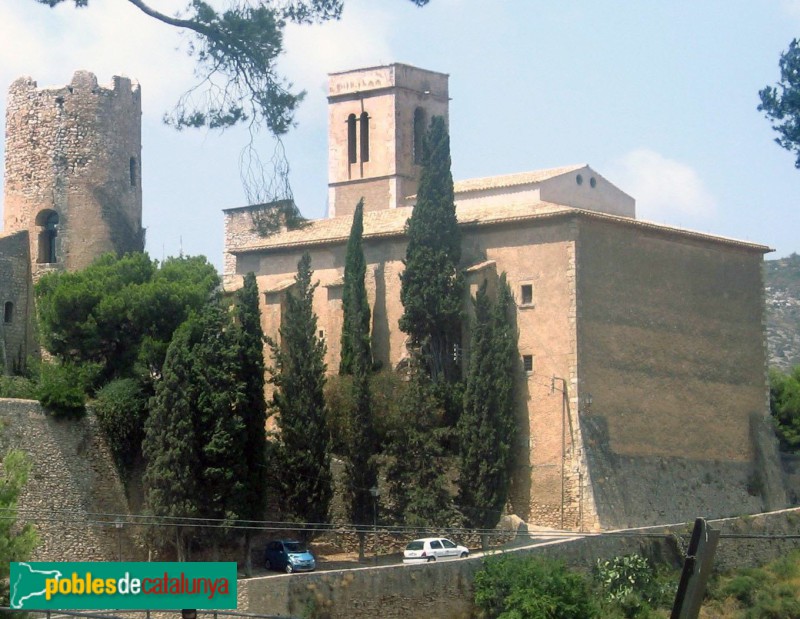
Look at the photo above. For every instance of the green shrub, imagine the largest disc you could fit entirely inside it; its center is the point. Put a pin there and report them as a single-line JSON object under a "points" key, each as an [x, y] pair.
{"points": [[770, 592], [744, 586], [61, 390], [121, 410], [631, 586], [532, 588], [787, 567], [17, 387], [779, 601], [621, 576]]}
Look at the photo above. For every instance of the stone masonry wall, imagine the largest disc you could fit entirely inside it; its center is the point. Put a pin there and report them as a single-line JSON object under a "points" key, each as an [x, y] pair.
{"points": [[671, 349], [16, 328], [73, 490], [444, 590]]}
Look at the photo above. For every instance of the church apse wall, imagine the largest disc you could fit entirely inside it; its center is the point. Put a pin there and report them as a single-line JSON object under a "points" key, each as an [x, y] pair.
{"points": [[671, 348]]}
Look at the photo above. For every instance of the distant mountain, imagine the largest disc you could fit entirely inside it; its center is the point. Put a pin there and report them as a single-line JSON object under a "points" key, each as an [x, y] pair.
{"points": [[782, 284]]}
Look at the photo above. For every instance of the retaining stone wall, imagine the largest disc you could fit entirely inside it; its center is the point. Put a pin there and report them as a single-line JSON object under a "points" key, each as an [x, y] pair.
{"points": [[444, 590], [72, 480]]}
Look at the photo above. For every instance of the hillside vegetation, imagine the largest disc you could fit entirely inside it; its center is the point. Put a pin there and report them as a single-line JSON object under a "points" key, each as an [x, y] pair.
{"points": [[782, 288], [629, 587]]}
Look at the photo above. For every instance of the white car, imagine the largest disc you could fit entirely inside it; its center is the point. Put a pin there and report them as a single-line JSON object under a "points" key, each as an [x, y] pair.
{"points": [[430, 549]]}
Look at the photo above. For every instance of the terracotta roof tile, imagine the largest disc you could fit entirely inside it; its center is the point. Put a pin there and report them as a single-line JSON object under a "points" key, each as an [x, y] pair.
{"points": [[511, 180]]}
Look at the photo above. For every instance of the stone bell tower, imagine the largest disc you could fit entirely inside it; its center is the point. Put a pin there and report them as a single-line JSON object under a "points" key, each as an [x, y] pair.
{"points": [[377, 118], [73, 170]]}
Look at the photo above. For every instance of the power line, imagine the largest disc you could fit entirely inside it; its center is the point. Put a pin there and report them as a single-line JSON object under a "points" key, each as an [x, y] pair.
{"points": [[112, 519]]}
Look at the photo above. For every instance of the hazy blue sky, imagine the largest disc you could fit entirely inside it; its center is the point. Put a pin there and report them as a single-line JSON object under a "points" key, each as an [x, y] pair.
{"points": [[659, 97]]}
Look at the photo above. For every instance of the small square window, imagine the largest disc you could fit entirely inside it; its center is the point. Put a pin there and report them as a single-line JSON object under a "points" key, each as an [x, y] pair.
{"points": [[321, 334], [526, 294], [527, 363]]}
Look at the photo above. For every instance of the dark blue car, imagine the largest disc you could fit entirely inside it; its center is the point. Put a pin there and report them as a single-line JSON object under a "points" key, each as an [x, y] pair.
{"points": [[289, 556]]}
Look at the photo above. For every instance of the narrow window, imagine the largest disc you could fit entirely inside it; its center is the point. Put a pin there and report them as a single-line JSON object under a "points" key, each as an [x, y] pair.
{"points": [[364, 136], [527, 363], [351, 138], [526, 294], [48, 231], [419, 133], [133, 172], [8, 313]]}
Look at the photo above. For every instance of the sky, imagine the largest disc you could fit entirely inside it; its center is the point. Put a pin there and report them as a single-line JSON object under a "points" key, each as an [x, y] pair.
{"points": [[658, 97]]}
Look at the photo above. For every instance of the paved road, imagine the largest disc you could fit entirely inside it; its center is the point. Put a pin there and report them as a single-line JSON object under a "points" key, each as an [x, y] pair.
{"points": [[347, 562]]}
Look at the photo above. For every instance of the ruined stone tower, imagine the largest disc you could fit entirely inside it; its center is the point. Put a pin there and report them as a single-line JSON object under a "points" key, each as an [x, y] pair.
{"points": [[377, 118], [73, 170]]}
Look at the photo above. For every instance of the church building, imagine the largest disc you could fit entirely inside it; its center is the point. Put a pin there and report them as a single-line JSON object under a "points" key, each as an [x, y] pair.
{"points": [[642, 379], [641, 385]]}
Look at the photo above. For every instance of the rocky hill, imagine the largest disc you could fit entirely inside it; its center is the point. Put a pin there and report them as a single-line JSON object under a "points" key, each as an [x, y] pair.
{"points": [[782, 283]]}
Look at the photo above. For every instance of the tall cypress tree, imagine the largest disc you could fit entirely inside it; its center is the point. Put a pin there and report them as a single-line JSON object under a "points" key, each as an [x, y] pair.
{"points": [[299, 378], [486, 426], [219, 425], [170, 446], [250, 344], [361, 440], [195, 434], [356, 323], [432, 284]]}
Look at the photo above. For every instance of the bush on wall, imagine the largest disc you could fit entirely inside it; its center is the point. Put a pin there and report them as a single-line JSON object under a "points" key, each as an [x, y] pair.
{"points": [[62, 388], [121, 410]]}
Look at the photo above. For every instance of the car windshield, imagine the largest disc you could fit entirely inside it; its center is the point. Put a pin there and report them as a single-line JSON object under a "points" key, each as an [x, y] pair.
{"points": [[294, 547], [416, 545]]}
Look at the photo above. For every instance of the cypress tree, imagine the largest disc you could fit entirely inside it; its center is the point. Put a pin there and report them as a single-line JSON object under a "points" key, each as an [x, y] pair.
{"points": [[432, 285], [486, 426], [250, 345], [195, 434], [416, 483], [299, 378], [219, 425], [356, 322], [361, 440], [362, 448], [170, 446]]}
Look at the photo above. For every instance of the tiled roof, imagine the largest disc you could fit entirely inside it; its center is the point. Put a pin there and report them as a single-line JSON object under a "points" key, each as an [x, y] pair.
{"points": [[475, 268], [387, 222], [511, 180], [391, 222], [281, 286]]}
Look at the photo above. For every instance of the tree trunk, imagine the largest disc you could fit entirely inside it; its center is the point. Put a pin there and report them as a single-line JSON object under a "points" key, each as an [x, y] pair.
{"points": [[248, 552], [361, 539], [180, 548]]}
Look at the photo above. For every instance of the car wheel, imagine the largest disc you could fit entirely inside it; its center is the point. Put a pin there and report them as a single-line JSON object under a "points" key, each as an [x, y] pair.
{"points": [[431, 559], [464, 555], [289, 568]]}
